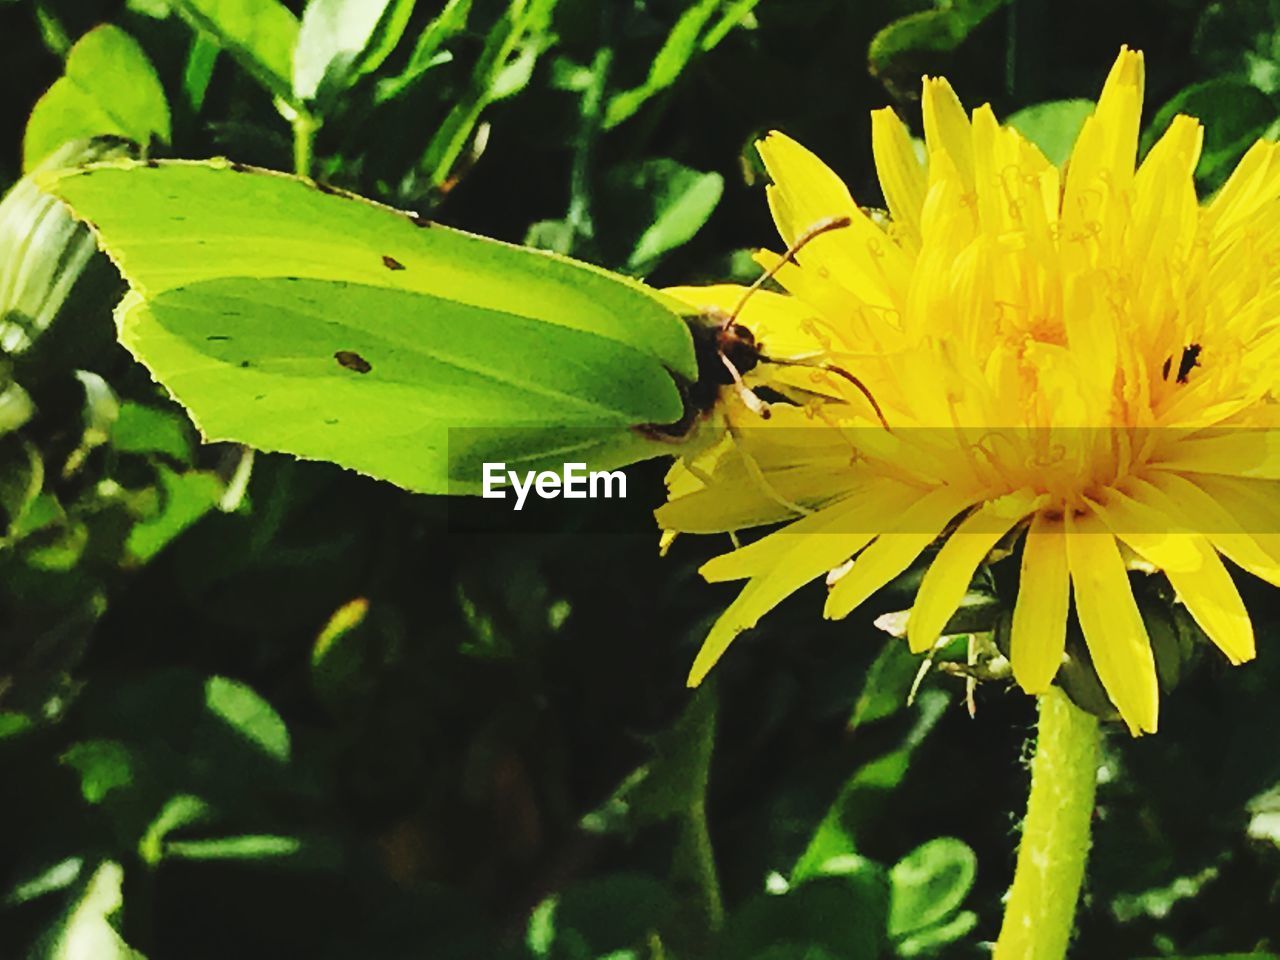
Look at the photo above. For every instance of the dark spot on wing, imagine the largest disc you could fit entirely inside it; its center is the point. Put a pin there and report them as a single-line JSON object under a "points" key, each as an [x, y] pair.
{"points": [[352, 361], [237, 167], [152, 163], [261, 396], [325, 188], [244, 364], [332, 422], [391, 263], [418, 220], [217, 336]]}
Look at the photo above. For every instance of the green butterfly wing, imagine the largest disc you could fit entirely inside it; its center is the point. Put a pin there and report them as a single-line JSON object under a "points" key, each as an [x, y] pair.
{"points": [[301, 319]]}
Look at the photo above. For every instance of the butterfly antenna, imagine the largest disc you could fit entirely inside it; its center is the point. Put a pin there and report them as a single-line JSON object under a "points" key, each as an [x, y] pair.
{"points": [[789, 256], [727, 321], [839, 372]]}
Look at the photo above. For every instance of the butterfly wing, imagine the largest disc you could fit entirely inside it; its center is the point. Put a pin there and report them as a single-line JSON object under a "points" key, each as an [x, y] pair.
{"points": [[310, 321]]}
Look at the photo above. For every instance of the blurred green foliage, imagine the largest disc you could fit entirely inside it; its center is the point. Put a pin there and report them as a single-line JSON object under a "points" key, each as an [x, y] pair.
{"points": [[257, 707]]}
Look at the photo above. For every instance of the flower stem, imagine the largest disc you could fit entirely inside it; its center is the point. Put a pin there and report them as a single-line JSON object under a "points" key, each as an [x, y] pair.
{"points": [[1055, 835], [699, 838]]}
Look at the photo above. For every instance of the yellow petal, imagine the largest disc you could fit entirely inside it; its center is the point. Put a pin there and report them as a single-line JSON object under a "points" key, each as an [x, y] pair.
{"points": [[770, 471], [1240, 453], [835, 531], [1223, 530], [804, 193], [1167, 212], [1253, 184], [1192, 566], [902, 176], [1117, 117], [1254, 504], [1149, 533], [1112, 626], [906, 536], [946, 127], [952, 570], [782, 563], [1100, 171], [1039, 632]]}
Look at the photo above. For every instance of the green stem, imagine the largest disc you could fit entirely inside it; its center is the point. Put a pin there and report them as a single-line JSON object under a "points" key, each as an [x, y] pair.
{"points": [[1041, 907], [698, 838], [304, 135]]}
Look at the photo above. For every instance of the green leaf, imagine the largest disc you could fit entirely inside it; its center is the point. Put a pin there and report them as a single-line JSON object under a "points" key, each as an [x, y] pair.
{"points": [[427, 52], [676, 780], [293, 319], [905, 46], [184, 499], [103, 766], [679, 201], [21, 480], [928, 941], [1052, 126], [1158, 902], [142, 429], [87, 929], [696, 31], [259, 34], [201, 59], [340, 41], [248, 714], [1235, 114], [929, 884], [887, 683], [13, 724], [600, 915], [57, 876], [16, 407], [247, 847], [836, 835], [179, 811], [521, 34], [340, 657], [842, 914], [80, 104]]}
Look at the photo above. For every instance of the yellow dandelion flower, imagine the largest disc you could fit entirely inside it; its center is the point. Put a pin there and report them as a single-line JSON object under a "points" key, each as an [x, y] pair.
{"points": [[1083, 358]]}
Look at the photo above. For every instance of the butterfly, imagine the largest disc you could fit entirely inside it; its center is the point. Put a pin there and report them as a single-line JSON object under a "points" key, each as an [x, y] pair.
{"points": [[296, 317]]}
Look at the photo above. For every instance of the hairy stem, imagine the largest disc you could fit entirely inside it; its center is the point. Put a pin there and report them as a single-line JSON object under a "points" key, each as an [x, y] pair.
{"points": [[1041, 906]]}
